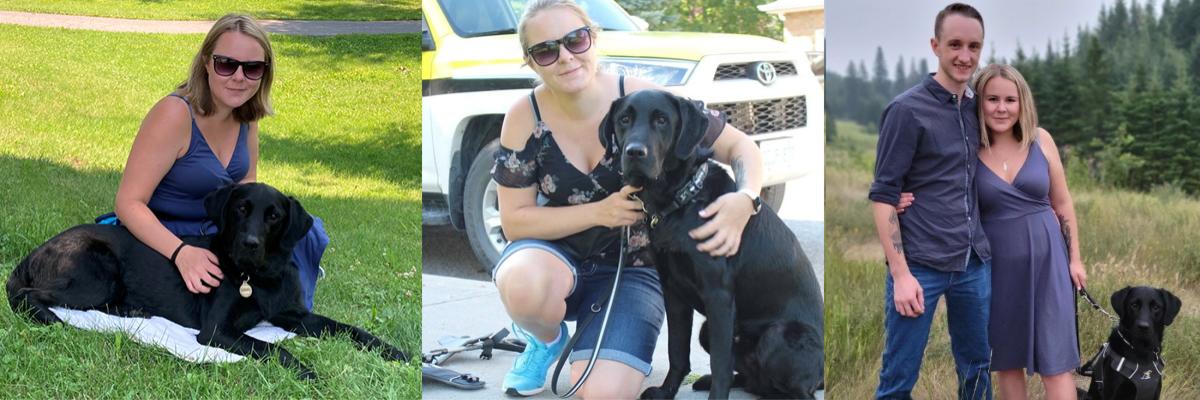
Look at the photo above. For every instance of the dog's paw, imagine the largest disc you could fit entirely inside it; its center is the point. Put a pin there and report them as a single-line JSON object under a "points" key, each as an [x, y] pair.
{"points": [[703, 384], [657, 392]]}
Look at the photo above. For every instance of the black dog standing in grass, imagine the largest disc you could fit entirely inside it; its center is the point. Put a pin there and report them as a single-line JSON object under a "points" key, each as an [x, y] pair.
{"points": [[103, 267], [1128, 366], [764, 308]]}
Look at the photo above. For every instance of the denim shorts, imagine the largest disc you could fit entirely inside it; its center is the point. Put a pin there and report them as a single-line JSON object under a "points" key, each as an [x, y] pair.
{"points": [[638, 310]]}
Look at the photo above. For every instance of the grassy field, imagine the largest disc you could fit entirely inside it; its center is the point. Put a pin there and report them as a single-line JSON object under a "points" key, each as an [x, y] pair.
{"points": [[1127, 239], [344, 141], [345, 10]]}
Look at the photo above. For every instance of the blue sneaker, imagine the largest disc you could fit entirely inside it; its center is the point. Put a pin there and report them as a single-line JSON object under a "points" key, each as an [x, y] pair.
{"points": [[528, 374]]}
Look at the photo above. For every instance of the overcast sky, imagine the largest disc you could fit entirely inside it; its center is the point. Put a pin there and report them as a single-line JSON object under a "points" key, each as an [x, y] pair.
{"points": [[854, 28]]}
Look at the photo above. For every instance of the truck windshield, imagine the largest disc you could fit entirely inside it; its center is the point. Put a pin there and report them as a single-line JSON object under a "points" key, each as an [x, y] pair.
{"points": [[471, 18]]}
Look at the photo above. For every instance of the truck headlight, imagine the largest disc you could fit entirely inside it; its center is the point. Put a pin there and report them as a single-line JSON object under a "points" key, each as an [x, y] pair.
{"points": [[662, 72]]}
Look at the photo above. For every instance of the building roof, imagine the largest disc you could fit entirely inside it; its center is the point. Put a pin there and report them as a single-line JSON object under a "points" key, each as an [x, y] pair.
{"points": [[786, 6]]}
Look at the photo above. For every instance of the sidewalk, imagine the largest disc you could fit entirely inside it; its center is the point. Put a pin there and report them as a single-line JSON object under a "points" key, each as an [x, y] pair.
{"points": [[309, 28], [456, 307]]}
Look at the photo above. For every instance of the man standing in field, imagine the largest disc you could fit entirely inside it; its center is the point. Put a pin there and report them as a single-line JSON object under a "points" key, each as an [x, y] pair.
{"points": [[928, 140]]}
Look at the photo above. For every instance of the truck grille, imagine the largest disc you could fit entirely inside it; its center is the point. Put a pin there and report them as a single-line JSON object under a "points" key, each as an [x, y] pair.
{"points": [[740, 70], [766, 116]]}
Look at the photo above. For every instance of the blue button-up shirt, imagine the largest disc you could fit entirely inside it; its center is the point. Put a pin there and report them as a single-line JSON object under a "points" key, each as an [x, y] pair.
{"points": [[928, 145]]}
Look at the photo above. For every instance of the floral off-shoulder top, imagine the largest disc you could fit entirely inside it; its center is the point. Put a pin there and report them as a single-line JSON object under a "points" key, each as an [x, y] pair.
{"points": [[542, 163]]}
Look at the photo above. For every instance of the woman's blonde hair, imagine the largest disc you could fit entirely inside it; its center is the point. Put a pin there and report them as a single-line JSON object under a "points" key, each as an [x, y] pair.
{"points": [[1026, 126], [534, 7], [196, 89]]}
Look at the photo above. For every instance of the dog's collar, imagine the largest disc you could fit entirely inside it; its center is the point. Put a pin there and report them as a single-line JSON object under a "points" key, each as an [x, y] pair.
{"points": [[684, 195]]}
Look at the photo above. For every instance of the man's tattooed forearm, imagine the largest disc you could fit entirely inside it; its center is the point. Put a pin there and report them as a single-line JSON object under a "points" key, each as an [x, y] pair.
{"points": [[739, 172], [894, 227]]}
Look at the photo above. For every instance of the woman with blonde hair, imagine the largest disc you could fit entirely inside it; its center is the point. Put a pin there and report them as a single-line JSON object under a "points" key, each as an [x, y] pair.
{"points": [[1028, 216], [198, 139], [549, 146]]}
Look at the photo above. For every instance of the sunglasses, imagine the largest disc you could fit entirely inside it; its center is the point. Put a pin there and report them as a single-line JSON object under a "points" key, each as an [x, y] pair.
{"points": [[225, 66], [576, 41]]}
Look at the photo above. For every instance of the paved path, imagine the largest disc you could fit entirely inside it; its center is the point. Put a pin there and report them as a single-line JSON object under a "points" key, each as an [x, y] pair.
{"points": [[311, 28]]}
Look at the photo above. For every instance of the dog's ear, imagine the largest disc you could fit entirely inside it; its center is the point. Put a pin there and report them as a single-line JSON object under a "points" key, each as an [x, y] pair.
{"points": [[214, 205], [1118, 301], [298, 224], [1171, 305], [608, 131], [692, 126]]}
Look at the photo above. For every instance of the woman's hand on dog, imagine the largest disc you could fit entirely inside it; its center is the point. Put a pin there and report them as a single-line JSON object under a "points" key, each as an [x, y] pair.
{"points": [[721, 236], [618, 209], [1078, 275], [199, 270]]}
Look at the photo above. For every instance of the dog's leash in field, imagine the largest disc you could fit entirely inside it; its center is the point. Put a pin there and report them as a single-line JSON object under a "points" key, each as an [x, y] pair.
{"points": [[579, 327]]}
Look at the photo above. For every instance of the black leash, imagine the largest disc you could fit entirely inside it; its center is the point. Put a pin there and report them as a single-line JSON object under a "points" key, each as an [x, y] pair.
{"points": [[579, 328]]}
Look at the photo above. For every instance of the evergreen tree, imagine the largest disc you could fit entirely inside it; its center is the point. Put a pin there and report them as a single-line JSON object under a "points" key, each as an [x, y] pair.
{"points": [[882, 84]]}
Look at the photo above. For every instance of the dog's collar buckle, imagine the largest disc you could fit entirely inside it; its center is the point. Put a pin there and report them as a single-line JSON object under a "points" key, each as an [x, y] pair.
{"points": [[245, 290]]}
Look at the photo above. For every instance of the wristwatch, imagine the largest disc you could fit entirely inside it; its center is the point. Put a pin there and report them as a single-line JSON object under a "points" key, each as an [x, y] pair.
{"points": [[754, 199]]}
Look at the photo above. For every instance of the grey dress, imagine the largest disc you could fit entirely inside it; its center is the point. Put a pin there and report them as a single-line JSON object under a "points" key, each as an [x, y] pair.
{"points": [[1033, 310]]}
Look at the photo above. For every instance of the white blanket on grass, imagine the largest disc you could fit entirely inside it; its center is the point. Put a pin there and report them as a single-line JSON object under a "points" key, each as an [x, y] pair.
{"points": [[161, 332]]}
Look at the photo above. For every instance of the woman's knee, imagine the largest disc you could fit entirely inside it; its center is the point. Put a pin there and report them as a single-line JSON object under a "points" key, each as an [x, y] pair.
{"points": [[530, 281]]}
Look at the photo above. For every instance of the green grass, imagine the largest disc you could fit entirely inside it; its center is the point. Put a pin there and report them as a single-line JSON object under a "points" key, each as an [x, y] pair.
{"points": [[344, 141], [345, 10], [1127, 239]]}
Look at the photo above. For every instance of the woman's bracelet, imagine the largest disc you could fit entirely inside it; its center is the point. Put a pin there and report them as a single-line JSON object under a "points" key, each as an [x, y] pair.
{"points": [[176, 252]]}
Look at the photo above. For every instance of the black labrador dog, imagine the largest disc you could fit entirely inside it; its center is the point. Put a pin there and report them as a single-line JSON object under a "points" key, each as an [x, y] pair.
{"points": [[1128, 366], [763, 306], [104, 267]]}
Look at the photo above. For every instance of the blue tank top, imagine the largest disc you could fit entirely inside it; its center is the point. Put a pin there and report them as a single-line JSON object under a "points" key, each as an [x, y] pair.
{"points": [[178, 201]]}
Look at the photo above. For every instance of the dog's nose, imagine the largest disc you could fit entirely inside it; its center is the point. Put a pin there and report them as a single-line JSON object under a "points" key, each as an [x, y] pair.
{"points": [[636, 150], [1143, 325], [251, 242]]}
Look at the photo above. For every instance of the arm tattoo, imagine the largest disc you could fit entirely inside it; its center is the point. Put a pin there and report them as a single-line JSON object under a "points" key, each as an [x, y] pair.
{"points": [[894, 227], [739, 172], [1066, 232]]}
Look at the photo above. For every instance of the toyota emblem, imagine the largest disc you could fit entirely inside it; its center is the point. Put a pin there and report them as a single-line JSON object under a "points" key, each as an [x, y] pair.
{"points": [[765, 72]]}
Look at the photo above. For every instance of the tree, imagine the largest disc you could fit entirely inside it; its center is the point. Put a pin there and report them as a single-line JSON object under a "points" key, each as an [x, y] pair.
{"points": [[901, 81], [881, 82], [727, 16]]}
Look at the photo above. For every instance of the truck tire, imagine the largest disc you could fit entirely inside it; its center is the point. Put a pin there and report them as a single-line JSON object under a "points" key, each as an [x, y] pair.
{"points": [[772, 196], [481, 211]]}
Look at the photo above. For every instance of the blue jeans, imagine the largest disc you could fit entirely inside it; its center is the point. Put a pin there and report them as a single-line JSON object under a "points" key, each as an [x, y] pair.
{"points": [[968, 300]]}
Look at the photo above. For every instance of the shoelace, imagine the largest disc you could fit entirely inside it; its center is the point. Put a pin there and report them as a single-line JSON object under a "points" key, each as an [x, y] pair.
{"points": [[532, 344]]}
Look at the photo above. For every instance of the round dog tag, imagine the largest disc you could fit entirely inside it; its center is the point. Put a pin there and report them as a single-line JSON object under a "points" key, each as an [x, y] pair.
{"points": [[246, 290]]}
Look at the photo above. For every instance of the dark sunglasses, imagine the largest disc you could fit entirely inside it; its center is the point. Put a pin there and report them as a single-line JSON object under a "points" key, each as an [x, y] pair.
{"points": [[225, 66], [576, 41]]}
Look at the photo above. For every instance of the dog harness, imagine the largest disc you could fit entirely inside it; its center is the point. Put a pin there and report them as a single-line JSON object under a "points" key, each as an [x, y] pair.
{"points": [[1144, 377], [683, 196]]}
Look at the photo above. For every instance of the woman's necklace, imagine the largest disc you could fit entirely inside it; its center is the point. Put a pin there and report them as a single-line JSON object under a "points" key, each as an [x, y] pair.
{"points": [[1004, 162]]}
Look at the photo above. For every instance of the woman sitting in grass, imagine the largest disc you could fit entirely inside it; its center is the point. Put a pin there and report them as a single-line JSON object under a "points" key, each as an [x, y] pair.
{"points": [[198, 139]]}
